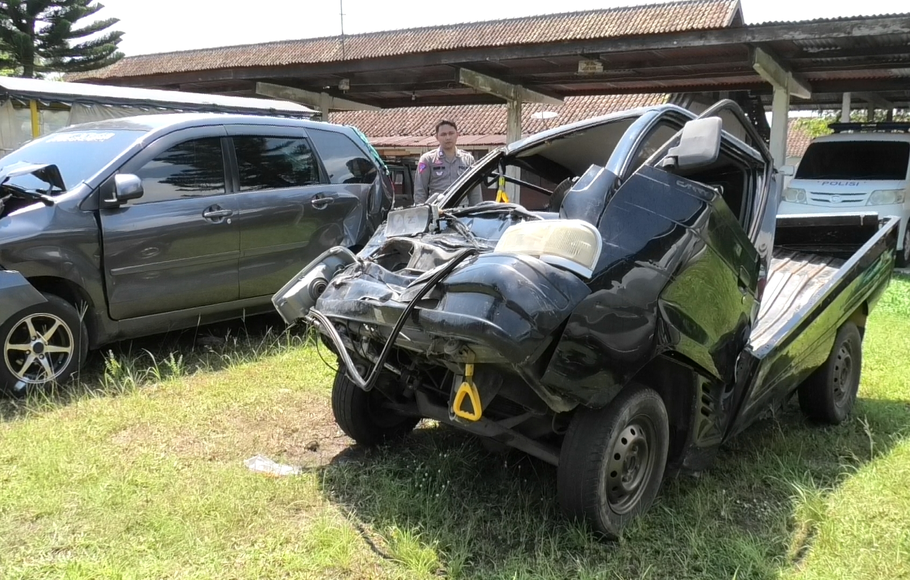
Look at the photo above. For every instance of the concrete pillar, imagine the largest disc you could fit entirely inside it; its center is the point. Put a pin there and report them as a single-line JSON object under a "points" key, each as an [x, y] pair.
{"points": [[513, 133], [870, 114], [890, 116], [780, 113], [325, 103], [845, 109]]}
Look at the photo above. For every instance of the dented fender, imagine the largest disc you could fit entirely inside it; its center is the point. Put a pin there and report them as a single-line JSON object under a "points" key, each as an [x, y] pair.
{"points": [[16, 294]]}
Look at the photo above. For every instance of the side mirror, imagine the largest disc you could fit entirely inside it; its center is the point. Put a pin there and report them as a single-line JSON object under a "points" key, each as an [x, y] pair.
{"points": [[787, 171], [127, 187], [698, 146]]}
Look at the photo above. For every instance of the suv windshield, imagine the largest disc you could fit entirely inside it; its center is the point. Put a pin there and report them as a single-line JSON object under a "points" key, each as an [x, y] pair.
{"points": [[872, 160], [78, 154]]}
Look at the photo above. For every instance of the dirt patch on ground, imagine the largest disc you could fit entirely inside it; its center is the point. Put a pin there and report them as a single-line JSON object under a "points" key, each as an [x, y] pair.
{"points": [[297, 429]]}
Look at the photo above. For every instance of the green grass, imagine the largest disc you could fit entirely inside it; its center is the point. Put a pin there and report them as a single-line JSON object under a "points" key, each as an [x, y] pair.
{"points": [[139, 474]]}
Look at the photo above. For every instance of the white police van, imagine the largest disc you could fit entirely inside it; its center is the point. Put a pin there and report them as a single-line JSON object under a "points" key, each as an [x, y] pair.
{"points": [[860, 168]]}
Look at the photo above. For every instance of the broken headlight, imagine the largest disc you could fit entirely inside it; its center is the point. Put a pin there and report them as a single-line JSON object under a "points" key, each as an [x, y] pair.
{"points": [[571, 244]]}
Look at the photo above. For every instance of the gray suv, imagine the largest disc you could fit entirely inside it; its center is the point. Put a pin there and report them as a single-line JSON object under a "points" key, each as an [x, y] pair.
{"points": [[136, 226]]}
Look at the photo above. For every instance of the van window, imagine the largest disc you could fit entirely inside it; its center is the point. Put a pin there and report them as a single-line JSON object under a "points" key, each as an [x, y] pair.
{"points": [[871, 160]]}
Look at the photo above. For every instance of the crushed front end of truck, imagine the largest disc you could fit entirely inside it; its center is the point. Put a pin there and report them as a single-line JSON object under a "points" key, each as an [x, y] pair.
{"points": [[535, 325]]}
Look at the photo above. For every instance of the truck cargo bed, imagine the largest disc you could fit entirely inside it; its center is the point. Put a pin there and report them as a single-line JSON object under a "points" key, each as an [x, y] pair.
{"points": [[793, 280]]}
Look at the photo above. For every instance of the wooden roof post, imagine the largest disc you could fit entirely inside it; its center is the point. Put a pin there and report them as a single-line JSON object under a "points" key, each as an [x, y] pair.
{"points": [[513, 133], [785, 83]]}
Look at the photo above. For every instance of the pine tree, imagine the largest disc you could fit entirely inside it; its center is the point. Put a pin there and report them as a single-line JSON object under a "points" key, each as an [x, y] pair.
{"points": [[42, 36]]}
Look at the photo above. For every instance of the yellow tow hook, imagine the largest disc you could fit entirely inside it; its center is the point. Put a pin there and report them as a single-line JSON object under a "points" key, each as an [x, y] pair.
{"points": [[501, 195], [468, 391]]}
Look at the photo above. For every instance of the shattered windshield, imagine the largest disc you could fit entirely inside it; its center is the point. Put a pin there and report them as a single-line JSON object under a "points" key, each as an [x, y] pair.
{"points": [[541, 173], [77, 154]]}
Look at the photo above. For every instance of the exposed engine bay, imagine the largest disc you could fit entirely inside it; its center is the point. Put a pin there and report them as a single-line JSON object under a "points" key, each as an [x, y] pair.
{"points": [[23, 184]]}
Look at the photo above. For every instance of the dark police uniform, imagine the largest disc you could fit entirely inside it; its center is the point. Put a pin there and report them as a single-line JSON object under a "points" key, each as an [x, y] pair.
{"points": [[435, 174]]}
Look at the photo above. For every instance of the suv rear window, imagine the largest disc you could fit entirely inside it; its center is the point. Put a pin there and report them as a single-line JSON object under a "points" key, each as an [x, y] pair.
{"points": [[344, 161], [872, 160]]}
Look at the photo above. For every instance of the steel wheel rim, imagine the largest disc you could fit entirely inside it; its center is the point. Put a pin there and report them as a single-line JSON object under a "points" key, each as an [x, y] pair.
{"points": [[38, 348], [630, 464], [843, 374]]}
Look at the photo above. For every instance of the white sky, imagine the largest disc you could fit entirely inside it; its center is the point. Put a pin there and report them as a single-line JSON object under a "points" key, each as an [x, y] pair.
{"points": [[167, 25]]}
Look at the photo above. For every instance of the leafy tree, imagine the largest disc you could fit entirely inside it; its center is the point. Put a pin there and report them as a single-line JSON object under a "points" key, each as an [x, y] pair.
{"points": [[41, 36], [818, 126]]}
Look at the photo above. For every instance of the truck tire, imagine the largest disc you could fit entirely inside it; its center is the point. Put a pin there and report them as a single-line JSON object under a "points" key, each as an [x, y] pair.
{"points": [[829, 394], [612, 460], [360, 416], [42, 345]]}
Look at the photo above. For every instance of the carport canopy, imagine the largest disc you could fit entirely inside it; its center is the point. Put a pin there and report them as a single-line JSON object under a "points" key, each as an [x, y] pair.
{"points": [[698, 47]]}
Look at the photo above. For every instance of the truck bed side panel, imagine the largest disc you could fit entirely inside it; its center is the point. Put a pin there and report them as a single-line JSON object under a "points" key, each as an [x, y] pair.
{"points": [[797, 329]]}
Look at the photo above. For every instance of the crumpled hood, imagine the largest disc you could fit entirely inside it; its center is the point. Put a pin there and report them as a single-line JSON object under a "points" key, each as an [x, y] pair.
{"points": [[505, 307], [47, 172]]}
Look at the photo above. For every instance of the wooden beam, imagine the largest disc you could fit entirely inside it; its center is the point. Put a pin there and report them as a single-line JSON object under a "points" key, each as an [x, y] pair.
{"points": [[508, 91], [683, 57], [887, 53], [318, 100], [779, 75], [696, 71], [876, 100]]}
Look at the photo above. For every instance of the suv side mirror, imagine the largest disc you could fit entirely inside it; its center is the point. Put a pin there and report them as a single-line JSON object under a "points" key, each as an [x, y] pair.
{"points": [[787, 171], [698, 146], [127, 187]]}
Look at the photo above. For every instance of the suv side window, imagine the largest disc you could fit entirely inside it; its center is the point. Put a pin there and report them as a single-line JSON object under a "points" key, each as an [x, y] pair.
{"points": [[344, 161], [194, 168], [275, 162]]}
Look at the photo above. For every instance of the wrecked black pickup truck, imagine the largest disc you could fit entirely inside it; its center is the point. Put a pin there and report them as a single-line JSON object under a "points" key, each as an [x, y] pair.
{"points": [[654, 308]]}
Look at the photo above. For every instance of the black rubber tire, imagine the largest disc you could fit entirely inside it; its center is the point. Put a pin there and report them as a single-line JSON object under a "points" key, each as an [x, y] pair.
{"points": [[829, 394], [357, 413], [597, 437], [72, 329]]}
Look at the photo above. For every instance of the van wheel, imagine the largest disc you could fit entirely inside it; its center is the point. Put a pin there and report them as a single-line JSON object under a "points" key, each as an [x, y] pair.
{"points": [[829, 394], [612, 460], [362, 415], [42, 345]]}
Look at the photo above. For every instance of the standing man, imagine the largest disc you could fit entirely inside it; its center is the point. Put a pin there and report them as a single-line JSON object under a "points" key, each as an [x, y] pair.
{"points": [[438, 169]]}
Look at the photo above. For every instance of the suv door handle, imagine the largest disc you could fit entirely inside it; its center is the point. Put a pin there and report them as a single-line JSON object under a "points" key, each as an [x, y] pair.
{"points": [[320, 202], [216, 213]]}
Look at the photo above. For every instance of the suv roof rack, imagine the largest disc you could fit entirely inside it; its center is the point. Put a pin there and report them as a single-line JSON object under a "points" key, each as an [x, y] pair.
{"points": [[870, 127]]}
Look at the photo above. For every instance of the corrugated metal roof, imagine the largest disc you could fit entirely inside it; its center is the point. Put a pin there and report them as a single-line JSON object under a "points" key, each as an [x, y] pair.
{"points": [[592, 24], [836, 19], [64, 91]]}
